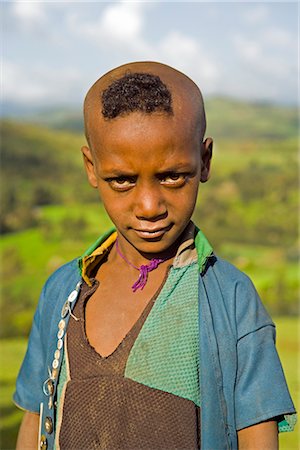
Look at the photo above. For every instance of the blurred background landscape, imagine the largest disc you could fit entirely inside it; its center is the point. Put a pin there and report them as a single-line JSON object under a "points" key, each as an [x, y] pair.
{"points": [[50, 214], [248, 209]]}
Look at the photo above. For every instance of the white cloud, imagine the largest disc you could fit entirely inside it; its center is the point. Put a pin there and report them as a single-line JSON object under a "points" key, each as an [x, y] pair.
{"points": [[267, 53], [248, 49], [122, 21], [278, 37], [256, 14], [121, 28], [87, 39], [39, 83], [119, 23], [268, 50], [18, 87], [186, 54], [178, 45], [29, 13]]}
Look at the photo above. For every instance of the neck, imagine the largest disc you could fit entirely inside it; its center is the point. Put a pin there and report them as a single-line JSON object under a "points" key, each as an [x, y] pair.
{"points": [[137, 258], [143, 269]]}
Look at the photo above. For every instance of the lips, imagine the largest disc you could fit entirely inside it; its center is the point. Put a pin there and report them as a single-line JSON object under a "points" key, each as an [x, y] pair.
{"points": [[152, 233]]}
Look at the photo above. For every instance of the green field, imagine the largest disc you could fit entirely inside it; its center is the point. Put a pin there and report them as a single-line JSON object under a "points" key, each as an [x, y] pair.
{"points": [[12, 351]]}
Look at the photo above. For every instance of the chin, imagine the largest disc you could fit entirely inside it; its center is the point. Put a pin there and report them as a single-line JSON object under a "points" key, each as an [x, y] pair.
{"points": [[155, 245]]}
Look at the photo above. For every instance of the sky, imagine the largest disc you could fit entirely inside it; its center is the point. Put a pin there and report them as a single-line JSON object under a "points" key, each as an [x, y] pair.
{"points": [[52, 52]]}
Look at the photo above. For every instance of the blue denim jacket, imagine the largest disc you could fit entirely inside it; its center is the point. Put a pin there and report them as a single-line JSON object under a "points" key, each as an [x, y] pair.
{"points": [[241, 378]]}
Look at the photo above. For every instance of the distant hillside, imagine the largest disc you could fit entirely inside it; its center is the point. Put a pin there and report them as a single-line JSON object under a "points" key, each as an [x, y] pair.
{"points": [[40, 167], [64, 119], [236, 120], [59, 119], [226, 118]]}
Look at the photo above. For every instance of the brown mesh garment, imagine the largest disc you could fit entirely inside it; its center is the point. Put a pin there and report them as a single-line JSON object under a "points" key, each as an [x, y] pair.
{"points": [[104, 410]]}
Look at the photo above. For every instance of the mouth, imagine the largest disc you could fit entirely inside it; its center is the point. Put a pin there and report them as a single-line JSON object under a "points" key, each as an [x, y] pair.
{"points": [[147, 233]]}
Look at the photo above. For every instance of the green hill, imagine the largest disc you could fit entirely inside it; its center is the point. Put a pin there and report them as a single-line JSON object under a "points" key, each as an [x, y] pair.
{"points": [[227, 118], [235, 120], [40, 167]]}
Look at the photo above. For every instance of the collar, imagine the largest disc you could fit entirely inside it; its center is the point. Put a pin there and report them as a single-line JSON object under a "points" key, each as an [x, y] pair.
{"points": [[194, 247]]}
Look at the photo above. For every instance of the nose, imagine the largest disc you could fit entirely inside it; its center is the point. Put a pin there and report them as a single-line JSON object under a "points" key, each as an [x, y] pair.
{"points": [[150, 203]]}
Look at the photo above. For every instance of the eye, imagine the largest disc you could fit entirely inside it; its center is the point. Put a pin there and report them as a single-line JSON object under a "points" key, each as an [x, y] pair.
{"points": [[173, 179], [121, 183]]}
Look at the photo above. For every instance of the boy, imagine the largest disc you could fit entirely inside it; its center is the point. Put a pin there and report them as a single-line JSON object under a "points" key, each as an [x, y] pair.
{"points": [[154, 342]]}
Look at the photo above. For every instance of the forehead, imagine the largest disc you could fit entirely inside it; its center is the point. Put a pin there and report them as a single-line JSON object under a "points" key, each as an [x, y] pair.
{"points": [[184, 125], [144, 131], [145, 143]]}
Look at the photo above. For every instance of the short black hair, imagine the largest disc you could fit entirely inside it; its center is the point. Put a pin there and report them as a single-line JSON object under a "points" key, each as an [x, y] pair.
{"points": [[137, 91]]}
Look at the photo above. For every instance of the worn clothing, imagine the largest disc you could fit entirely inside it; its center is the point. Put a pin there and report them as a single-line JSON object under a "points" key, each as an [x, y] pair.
{"points": [[151, 396], [115, 411], [236, 350]]}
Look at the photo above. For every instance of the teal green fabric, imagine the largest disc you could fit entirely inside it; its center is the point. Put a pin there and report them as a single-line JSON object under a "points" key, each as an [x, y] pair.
{"points": [[62, 378], [165, 354], [61, 383], [288, 423], [204, 249]]}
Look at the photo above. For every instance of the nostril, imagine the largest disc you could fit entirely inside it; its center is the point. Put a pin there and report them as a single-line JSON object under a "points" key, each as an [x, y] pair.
{"points": [[153, 218]]}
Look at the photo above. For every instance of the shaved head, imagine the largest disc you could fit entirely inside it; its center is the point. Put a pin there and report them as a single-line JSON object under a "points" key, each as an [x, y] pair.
{"points": [[159, 88]]}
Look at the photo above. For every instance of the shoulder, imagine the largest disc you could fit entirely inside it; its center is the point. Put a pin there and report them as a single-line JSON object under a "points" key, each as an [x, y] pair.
{"points": [[61, 276], [227, 275], [236, 292], [231, 273], [58, 286]]}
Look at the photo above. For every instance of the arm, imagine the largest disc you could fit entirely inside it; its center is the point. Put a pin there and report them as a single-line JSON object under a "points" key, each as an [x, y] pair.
{"points": [[263, 436], [28, 432]]}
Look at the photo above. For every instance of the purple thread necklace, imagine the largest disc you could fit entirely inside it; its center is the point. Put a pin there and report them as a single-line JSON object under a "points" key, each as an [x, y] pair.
{"points": [[143, 269]]}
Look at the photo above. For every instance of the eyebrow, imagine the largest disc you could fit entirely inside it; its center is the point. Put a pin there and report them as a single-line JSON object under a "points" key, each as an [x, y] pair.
{"points": [[119, 173], [185, 167]]}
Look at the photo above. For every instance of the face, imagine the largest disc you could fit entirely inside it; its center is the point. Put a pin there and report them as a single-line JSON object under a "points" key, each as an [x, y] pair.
{"points": [[147, 169]]}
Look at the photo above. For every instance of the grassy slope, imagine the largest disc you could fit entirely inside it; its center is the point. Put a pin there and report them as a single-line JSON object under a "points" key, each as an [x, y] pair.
{"points": [[35, 253], [12, 351], [288, 344]]}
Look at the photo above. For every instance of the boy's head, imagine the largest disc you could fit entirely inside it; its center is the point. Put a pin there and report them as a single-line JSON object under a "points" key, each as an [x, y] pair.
{"points": [[145, 87], [145, 124]]}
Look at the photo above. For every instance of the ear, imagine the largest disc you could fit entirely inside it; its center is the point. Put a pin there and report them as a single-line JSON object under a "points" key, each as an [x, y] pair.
{"points": [[89, 166], [206, 155]]}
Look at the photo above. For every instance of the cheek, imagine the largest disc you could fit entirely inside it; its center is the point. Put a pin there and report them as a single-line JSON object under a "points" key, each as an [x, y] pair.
{"points": [[116, 206], [185, 198]]}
